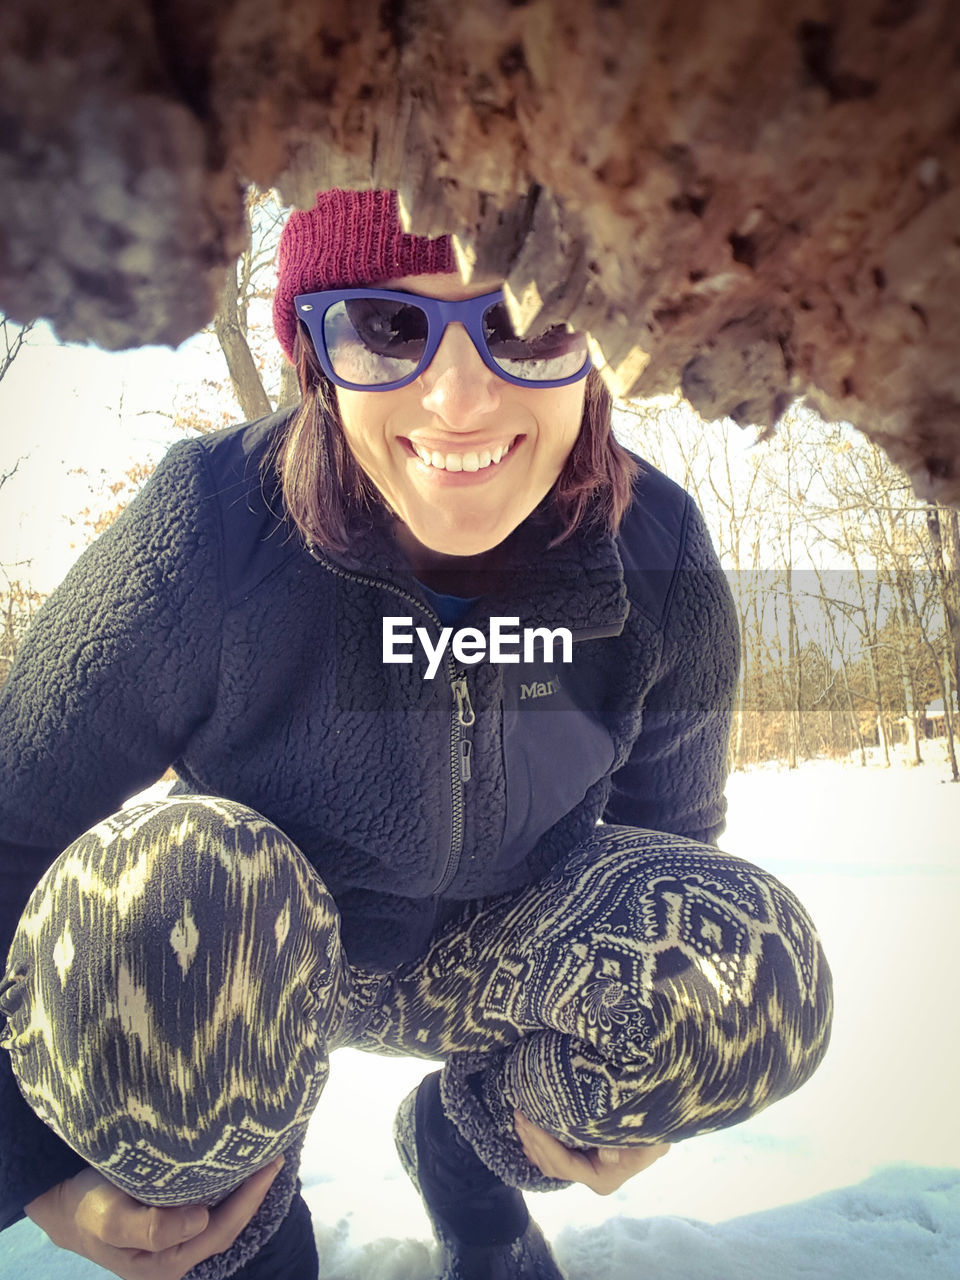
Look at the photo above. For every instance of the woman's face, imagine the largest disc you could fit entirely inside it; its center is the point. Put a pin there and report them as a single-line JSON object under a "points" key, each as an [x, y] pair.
{"points": [[460, 414]]}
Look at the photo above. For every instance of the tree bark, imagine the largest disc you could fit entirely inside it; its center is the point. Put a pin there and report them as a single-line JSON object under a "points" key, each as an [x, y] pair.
{"points": [[950, 555], [232, 335], [748, 202], [942, 527]]}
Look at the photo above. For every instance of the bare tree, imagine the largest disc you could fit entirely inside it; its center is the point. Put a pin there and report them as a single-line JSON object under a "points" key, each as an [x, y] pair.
{"points": [[6, 475], [943, 528], [17, 600], [855, 657], [699, 456], [872, 516], [254, 362], [14, 336], [944, 534], [18, 603]]}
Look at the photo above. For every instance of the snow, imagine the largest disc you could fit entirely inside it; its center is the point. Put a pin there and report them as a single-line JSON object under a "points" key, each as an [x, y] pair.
{"points": [[856, 1174]]}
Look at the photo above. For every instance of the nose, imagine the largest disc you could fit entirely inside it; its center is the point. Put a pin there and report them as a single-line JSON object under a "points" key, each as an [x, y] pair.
{"points": [[457, 386]]}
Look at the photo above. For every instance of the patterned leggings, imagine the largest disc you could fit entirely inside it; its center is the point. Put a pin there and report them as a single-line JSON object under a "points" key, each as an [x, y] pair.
{"points": [[177, 983]]}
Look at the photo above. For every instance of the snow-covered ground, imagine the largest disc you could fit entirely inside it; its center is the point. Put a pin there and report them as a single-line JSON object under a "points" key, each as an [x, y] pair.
{"points": [[856, 1175]]}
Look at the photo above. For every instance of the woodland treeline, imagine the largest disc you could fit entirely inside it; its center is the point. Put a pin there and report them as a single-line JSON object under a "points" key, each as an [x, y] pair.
{"points": [[846, 585]]}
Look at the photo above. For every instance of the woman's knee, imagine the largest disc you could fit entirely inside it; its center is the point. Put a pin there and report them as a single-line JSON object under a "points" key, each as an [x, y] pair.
{"points": [[696, 980], [181, 893], [170, 985]]}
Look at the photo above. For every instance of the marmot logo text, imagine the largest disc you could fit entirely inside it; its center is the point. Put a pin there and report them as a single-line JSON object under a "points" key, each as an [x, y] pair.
{"points": [[538, 689]]}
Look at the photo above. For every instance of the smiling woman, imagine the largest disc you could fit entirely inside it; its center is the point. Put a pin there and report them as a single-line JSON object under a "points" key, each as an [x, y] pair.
{"points": [[494, 853], [457, 410], [466, 397]]}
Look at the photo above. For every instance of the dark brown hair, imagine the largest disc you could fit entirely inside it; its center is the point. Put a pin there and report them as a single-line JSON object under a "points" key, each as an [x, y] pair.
{"points": [[326, 493]]}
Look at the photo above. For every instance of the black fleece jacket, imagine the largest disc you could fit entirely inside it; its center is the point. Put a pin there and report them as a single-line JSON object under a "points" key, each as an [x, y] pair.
{"points": [[200, 632]]}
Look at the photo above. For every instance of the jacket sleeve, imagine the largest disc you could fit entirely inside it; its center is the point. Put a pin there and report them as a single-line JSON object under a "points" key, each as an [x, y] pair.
{"points": [[675, 775], [116, 672]]}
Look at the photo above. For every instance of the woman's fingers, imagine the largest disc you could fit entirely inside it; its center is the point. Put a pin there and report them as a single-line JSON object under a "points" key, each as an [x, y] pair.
{"points": [[602, 1169], [552, 1157], [127, 1224], [230, 1217], [97, 1220], [614, 1165], [86, 1213]]}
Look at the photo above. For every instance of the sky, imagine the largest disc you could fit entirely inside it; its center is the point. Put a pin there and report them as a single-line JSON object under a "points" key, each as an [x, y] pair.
{"points": [[855, 1175]]}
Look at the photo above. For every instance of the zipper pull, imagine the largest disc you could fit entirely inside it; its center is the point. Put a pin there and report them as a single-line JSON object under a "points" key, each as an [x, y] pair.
{"points": [[465, 715], [465, 748]]}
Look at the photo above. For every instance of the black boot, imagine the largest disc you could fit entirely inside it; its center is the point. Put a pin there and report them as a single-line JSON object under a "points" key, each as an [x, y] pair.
{"points": [[483, 1227]]}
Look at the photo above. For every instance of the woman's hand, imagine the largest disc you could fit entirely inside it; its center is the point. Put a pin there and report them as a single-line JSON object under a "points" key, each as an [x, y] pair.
{"points": [[91, 1217], [602, 1169]]}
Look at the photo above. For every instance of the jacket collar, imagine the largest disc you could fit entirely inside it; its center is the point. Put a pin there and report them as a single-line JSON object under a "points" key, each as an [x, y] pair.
{"points": [[578, 584]]}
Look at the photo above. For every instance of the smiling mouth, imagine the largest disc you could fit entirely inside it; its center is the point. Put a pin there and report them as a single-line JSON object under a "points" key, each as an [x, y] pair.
{"points": [[471, 460]]}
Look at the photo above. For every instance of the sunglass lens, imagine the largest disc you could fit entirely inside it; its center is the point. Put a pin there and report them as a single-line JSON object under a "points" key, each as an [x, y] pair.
{"points": [[373, 341], [549, 356]]}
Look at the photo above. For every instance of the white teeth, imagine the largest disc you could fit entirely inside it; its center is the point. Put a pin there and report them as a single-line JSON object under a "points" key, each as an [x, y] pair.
{"points": [[471, 461]]}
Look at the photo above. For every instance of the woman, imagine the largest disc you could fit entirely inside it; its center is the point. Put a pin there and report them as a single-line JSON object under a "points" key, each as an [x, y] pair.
{"points": [[406, 647]]}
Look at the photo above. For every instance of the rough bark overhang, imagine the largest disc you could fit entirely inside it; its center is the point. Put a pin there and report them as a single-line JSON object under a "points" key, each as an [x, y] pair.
{"points": [[749, 200]]}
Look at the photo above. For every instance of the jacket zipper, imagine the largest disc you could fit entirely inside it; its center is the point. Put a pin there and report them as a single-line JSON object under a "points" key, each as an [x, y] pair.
{"points": [[461, 746], [461, 721]]}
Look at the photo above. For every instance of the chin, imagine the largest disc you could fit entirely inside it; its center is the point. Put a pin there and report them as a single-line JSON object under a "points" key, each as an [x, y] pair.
{"points": [[457, 540], [466, 545]]}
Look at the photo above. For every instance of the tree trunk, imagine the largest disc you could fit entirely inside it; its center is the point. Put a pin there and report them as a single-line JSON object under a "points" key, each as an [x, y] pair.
{"points": [[792, 689], [905, 668], [946, 551], [950, 720], [949, 523], [232, 336]]}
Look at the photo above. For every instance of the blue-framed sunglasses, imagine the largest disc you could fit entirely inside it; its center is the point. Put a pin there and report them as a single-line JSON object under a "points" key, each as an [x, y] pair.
{"points": [[380, 339]]}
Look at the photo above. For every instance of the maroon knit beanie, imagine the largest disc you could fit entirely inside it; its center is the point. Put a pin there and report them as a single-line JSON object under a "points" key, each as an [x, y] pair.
{"points": [[348, 238]]}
